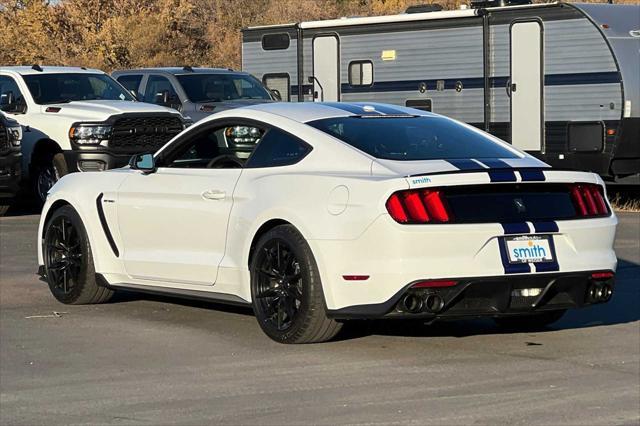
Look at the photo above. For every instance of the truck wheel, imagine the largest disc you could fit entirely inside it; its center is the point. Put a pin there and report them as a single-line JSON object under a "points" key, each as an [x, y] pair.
{"points": [[4, 209], [68, 260], [48, 172], [530, 322], [286, 289]]}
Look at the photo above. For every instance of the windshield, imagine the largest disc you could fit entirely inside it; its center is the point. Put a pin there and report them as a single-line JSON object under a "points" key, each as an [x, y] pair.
{"points": [[413, 138], [222, 87], [69, 87]]}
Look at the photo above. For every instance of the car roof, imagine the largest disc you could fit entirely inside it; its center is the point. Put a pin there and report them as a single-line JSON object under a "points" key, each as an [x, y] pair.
{"points": [[180, 70], [304, 112], [46, 69]]}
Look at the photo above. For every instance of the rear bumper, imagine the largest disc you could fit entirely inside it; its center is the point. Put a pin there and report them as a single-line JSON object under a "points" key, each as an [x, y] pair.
{"points": [[10, 175], [391, 256], [489, 297], [93, 161]]}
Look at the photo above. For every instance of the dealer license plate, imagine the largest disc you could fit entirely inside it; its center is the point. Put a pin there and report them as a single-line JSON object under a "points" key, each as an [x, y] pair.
{"points": [[529, 249]]}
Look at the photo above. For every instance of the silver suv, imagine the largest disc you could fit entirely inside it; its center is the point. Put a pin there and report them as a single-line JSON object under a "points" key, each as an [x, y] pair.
{"points": [[195, 92]]}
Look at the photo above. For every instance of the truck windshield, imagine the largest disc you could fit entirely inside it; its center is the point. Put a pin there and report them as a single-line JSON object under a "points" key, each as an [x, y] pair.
{"points": [[413, 138], [222, 87], [69, 87]]}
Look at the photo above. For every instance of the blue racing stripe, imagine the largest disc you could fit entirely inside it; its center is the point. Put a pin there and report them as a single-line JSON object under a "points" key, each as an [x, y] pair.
{"points": [[495, 163], [545, 226], [463, 164], [515, 228], [511, 268], [532, 175], [502, 175], [549, 266]]}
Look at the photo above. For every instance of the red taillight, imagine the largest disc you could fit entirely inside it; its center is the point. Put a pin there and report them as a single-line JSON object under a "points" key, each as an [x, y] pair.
{"points": [[418, 206], [602, 275], [588, 200], [355, 277], [434, 284]]}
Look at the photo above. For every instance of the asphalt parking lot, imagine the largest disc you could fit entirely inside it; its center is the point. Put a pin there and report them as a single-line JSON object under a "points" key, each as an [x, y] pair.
{"points": [[150, 360]]}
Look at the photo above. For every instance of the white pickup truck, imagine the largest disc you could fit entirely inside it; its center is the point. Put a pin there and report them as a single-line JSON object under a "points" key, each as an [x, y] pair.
{"points": [[78, 119]]}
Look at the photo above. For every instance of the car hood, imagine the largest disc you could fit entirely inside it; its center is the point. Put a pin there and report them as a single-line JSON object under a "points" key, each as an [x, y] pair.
{"points": [[101, 110]]}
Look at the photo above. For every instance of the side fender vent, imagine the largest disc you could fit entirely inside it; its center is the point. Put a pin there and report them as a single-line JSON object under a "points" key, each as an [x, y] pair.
{"points": [[105, 226]]}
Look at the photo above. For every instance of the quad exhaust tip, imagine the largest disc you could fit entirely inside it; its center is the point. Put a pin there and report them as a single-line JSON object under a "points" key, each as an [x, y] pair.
{"points": [[413, 304], [600, 293]]}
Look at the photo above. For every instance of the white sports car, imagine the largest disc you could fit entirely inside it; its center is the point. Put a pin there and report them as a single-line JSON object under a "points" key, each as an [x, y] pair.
{"points": [[314, 214]]}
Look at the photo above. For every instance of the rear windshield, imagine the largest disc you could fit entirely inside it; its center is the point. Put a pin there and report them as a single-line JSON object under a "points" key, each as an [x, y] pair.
{"points": [[413, 138], [69, 87], [222, 87]]}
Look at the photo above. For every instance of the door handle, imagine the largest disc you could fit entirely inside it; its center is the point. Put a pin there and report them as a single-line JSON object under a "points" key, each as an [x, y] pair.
{"points": [[214, 194]]}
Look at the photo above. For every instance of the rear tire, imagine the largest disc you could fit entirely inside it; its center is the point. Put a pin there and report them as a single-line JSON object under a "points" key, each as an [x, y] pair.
{"points": [[530, 322], [68, 260], [286, 289]]}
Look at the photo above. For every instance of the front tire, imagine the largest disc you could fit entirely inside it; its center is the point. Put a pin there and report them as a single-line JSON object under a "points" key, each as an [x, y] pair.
{"points": [[68, 260], [286, 290], [48, 172], [530, 322]]}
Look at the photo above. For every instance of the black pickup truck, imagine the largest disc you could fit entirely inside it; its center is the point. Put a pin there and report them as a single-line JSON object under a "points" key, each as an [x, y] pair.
{"points": [[10, 161]]}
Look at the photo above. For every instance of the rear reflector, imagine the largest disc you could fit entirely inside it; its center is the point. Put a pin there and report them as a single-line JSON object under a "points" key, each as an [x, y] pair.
{"points": [[434, 284], [588, 200], [355, 277], [602, 275], [418, 206]]}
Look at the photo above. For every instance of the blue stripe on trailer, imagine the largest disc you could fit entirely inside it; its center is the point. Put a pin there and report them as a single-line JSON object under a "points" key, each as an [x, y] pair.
{"points": [[545, 226], [502, 175], [532, 175], [549, 266], [515, 228], [495, 163], [511, 268], [464, 164]]}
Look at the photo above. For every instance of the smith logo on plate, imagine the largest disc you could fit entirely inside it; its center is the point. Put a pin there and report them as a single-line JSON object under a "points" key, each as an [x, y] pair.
{"points": [[529, 249]]}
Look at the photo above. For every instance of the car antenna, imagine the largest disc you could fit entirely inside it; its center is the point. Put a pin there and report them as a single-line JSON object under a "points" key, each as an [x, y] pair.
{"points": [[36, 67], [188, 68]]}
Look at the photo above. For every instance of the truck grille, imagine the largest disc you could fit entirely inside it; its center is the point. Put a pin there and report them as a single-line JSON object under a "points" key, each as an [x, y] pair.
{"points": [[4, 138], [141, 134]]}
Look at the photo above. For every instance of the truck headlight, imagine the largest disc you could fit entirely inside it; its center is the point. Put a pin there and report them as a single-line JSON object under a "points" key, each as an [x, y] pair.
{"points": [[89, 134], [15, 135]]}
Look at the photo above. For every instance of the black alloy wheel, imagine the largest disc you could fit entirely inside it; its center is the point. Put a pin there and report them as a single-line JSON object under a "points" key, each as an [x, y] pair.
{"points": [[286, 289], [279, 284], [68, 260]]}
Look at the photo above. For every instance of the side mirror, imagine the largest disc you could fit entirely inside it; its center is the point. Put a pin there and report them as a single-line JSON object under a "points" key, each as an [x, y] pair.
{"points": [[162, 98], [143, 162], [276, 94], [9, 103]]}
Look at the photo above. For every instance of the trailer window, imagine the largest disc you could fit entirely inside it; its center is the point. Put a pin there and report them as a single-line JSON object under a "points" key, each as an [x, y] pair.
{"points": [[360, 73], [278, 41], [414, 138], [279, 82]]}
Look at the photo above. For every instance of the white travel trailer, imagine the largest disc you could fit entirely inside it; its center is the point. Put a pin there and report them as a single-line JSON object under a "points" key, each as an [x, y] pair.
{"points": [[558, 80]]}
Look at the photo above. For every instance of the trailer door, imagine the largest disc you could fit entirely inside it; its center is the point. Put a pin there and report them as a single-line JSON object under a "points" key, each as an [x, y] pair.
{"points": [[326, 68], [527, 120]]}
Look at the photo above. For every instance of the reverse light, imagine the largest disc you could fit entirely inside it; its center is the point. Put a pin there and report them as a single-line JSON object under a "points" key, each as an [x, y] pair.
{"points": [[93, 134], [588, 200], [418, 206]]}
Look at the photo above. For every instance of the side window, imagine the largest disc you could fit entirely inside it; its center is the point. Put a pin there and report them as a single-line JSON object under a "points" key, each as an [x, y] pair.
{"points": [[131, 82], [160, 91], [278, 148], [360, 73], [279, 82], [11, 99], [215, 148], [278, 41]]}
